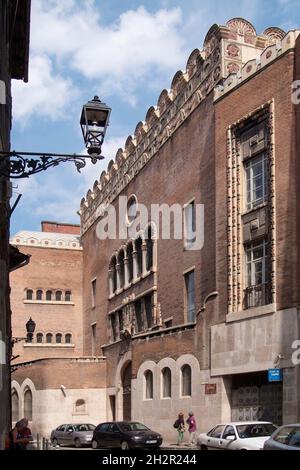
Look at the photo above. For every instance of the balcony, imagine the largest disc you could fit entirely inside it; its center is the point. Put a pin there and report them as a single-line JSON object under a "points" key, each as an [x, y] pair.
{"points": [[256, 296]]}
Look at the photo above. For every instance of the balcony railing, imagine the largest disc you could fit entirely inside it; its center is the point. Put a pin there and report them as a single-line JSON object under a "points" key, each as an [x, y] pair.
{"points": [[256, 296]]}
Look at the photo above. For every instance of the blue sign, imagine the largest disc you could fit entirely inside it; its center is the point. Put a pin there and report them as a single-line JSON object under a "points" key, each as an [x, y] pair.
{"points": [[275, 375]]}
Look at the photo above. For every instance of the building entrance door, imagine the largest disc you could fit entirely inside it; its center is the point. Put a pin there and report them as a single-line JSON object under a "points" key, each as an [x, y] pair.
{"points": [[126, 384], [255, 399]]}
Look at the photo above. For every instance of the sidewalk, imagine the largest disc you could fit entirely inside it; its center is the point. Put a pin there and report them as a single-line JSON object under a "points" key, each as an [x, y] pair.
{"points": [[173, 445]]}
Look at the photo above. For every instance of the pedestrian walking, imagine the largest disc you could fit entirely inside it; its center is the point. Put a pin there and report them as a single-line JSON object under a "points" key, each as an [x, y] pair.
{"points": [[180, 426], [192, 428]]}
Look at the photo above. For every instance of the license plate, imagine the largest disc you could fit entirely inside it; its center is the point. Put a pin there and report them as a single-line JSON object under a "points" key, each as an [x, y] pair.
{"points": [[151, 442]]}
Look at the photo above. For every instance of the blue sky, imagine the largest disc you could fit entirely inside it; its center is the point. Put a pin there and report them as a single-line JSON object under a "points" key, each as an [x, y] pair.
{"points": [[124, 51]]}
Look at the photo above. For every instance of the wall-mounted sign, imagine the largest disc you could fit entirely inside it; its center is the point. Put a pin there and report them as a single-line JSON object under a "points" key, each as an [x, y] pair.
{"points": [[210, 389], [275, 375]]}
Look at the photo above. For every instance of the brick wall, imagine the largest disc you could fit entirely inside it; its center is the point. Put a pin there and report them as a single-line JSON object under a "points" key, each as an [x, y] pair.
{"points": [[183, 169], [273, 82], [57, 227], [49, 269], [73, 374]]}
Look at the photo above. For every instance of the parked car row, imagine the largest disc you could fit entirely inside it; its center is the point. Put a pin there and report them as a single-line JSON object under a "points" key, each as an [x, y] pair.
{"points": [[248, 435], [123, 434], [255, 435]]}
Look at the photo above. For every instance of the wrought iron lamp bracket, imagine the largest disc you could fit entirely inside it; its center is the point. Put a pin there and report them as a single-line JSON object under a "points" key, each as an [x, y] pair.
{"points": [[25, 164]]}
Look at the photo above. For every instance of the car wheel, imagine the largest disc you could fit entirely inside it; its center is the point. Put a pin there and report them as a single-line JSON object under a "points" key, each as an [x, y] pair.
{"points": [[55, 442], [124, 445], [77, 443], [203, 447], [95, 444]]}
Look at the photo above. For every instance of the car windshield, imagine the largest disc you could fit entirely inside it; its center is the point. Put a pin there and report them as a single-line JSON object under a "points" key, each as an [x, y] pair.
{"points": [[84, 427], [247, 431], [129, 427]]}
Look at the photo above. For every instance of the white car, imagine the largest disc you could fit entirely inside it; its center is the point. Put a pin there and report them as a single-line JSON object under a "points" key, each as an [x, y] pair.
{"points": [[248, 435]]}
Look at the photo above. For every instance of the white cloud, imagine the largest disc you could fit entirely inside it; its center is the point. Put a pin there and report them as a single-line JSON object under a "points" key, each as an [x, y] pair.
{"points": [[117, 56], [46, 95]]}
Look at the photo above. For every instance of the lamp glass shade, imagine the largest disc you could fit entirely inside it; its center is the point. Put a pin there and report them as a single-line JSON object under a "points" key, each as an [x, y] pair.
{"points": [[30, 326]]}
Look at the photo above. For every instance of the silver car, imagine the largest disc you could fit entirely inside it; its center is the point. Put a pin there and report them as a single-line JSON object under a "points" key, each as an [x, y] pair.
{"points": [[77, 435], [284, 438]]}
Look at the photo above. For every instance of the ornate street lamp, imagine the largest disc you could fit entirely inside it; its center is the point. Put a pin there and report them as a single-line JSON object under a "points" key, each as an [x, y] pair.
{"points": [[94, 121], [30, 328]]}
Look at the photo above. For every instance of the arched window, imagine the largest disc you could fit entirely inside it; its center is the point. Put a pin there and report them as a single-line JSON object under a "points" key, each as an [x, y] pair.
{"points": [[58, 338], [130, 262], [58, 296], [139, 256], [29, 294], [80, 406], [49, 337], [49, 295], [149, 243], [167, 383], [39, 337], [149, 384], [113, 274], [39, 295], [121, 267], [68, 338], [68, 296], [28, 404], [186, 381], [15, 405]]}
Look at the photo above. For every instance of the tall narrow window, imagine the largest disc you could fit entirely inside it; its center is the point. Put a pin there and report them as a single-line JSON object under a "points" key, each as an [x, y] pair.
{"points": [[120, 318], [58, 338], [94, 338], [49, 338], [257, 289], [39, 338], [257, 181], [68, 338], [68, 296], [149, 243], [39, 295], [190, 296], [148, 310], [148, 384], [121, 268], [58, 296], [94, 285], [139, 256], [15, 405], [28, 404], [113, 268], [190, 224], [166, 383], [186, 381], [49, 295], [138, 316], [130, 261], [29, 294], [114, 327]]}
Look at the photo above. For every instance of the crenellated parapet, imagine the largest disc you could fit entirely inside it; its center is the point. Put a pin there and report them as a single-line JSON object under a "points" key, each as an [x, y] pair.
{"points": [[230, 54]]}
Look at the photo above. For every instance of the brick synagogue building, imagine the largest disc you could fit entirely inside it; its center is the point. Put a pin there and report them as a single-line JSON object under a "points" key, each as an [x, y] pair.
{"points": [[162, 326]]}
